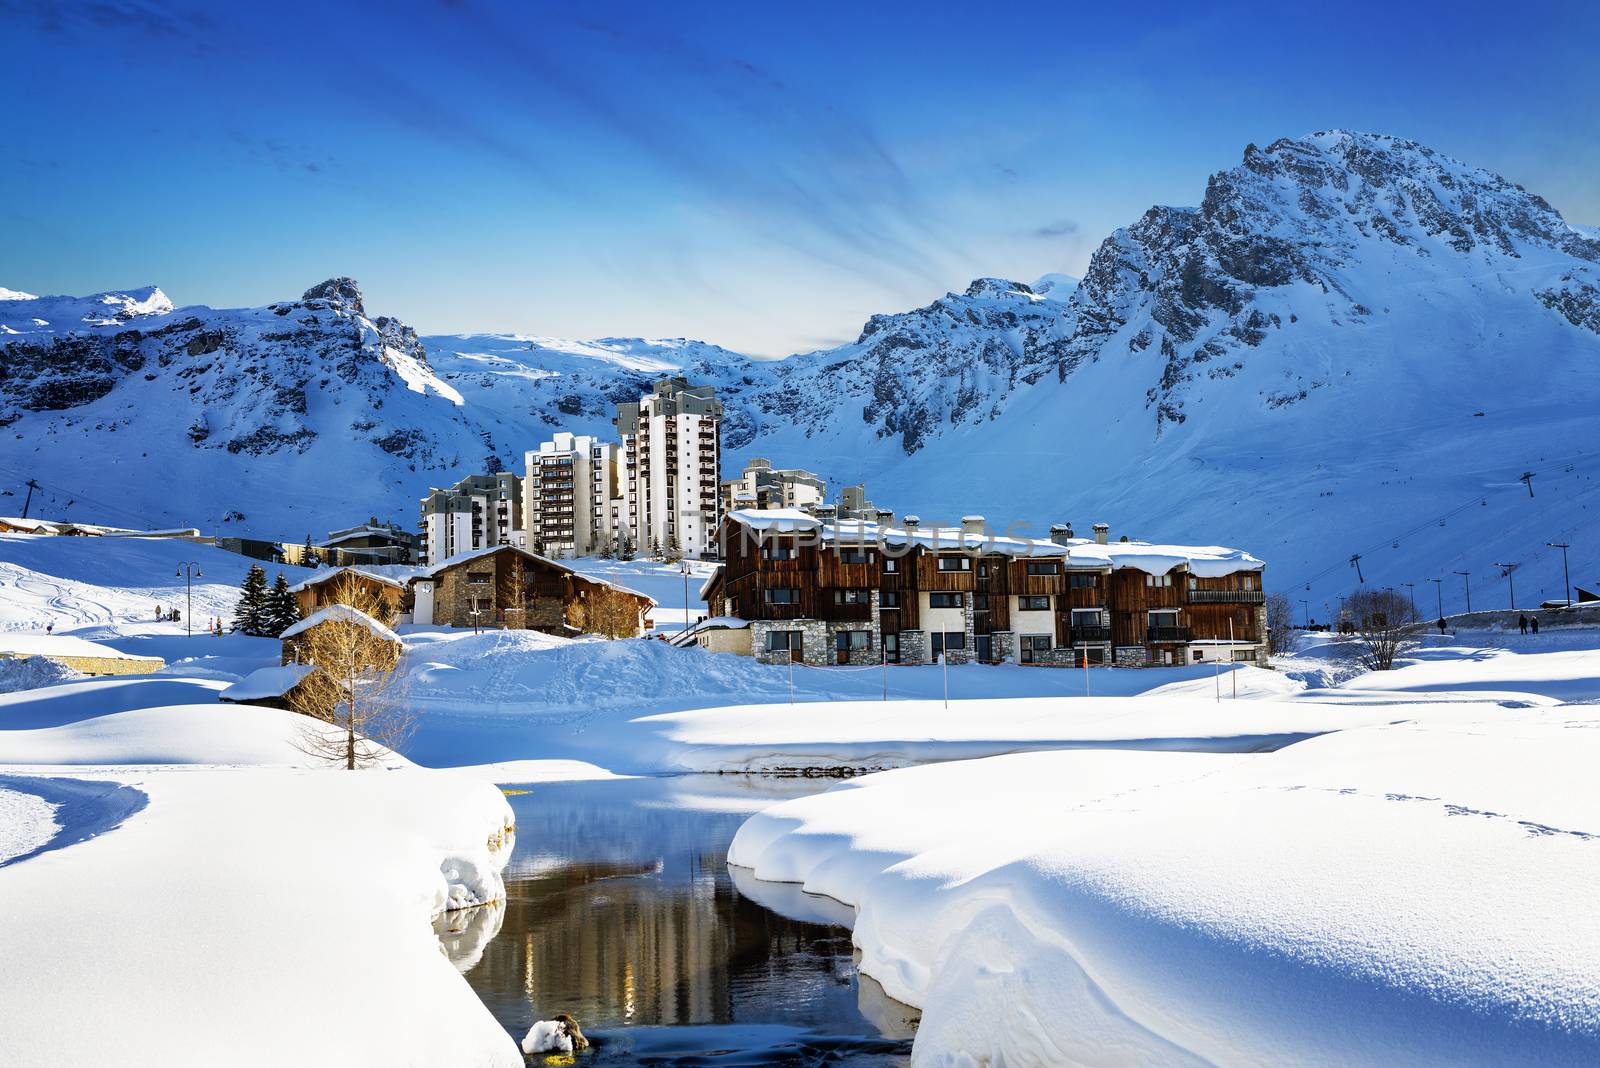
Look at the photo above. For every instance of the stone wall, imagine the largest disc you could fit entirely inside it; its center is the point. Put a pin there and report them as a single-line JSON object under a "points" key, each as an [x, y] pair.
{"points": [[1132, 656]]}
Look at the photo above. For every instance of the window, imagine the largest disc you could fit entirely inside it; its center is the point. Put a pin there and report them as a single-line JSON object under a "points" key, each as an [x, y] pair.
{"points": [[1033, 646], [1158, 580], [782, 640], [955, 563], [782, 595], [854, 556], [1044, 567], [1084, 582], [1033, 604], [983, 569], [1086, 617], [889, 599], [777, 552], [980, 602], [891, 648], [945, 600], [852, 640], [479, 578], [948, 639], [1164, 618], [891, 564], [852, 596]]}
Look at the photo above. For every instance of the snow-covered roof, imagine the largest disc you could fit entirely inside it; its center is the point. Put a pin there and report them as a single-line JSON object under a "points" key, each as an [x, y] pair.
{"points": [[711, 579], [172, 532], [363, 532], [22, 643], [330, 574], [713, 623], [267, 682], [1204, 561], [347, 614], [473, 554]]}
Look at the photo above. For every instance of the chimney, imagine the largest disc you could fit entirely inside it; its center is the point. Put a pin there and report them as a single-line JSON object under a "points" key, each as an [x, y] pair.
{"points": [[885, 517], [973, 525], [1102, 533], [911, 522], [1061, 533], [825, 512]]}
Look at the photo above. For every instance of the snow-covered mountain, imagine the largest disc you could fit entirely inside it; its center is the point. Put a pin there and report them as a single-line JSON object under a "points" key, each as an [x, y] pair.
{"points": [[1349, 339]]}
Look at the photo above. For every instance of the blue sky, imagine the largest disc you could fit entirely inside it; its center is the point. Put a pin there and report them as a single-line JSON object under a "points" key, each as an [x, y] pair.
{"points": [[761, 176]]}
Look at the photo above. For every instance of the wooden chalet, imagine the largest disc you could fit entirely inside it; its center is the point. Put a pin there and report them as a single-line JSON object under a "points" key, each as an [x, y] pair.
{"points": [[510, 587], [818, 591], [335, 585]]}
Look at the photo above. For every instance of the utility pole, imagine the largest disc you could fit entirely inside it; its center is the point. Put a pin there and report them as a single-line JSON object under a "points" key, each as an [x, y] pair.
{"points": [[1466, 584], [189, 570], [1411, 591], [1506, 571], [1438, 591], [1355, 562], [32, 485], [1565, 573], [1305, 612], [683, 565], [1527, 479]]}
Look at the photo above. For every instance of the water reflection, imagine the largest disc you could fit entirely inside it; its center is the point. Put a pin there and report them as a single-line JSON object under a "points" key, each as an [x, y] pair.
{"points": [[621, 910]]}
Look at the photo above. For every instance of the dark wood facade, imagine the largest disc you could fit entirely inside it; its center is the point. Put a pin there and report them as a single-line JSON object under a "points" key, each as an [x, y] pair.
{"points": [[779, 577], [511, 588]]}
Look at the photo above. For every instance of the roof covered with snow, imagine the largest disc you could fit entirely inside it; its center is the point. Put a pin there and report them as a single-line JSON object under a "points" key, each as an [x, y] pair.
{"points": [[15, 643], [267, 682], [472, 554], [372, 573], [347, 614], [713, 623], [1205, 561]]}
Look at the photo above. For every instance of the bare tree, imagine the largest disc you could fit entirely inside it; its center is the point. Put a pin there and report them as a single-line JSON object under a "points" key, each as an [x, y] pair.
{"points": [[1385, 625], [348, 589], [514, 592], [1280, 622], [353, 695], [605, 610]]}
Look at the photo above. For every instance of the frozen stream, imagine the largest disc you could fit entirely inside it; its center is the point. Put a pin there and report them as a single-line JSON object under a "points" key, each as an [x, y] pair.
{"points": [[621, 910]]}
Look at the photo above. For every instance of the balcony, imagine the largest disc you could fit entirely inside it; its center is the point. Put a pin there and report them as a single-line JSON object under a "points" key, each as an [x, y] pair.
{"points": [[1227, 597], [1167, 634], [1091, 635]]}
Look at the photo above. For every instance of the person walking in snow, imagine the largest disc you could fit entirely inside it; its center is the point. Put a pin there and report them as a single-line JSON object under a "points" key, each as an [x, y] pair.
{"points": [[1535, 624], [1522, 624], [1441, 624]]}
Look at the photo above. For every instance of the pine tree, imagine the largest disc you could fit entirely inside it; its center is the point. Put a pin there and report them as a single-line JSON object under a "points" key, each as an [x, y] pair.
{"points": [[282, 610], [309, 557], [249, 616], [608, 549], [627, 552]]}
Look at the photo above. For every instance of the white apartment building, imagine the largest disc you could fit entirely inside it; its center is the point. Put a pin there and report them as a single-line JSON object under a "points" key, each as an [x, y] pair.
{"points": [[478, 512], [572, 495], [671, 467], [762, 486]]}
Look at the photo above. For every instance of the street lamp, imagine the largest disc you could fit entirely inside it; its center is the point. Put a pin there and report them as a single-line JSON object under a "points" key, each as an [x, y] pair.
{"points": [[189, 570], [1507, 572], [683, 566], [1305, 612], [1411, 591], [1563, 546], [1438, 591], [1466, 584]]}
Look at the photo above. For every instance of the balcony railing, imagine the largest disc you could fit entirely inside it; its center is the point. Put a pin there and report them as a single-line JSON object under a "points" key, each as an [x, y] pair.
{"points": [[1167, 634], [1227, 597], [1090, 635]]}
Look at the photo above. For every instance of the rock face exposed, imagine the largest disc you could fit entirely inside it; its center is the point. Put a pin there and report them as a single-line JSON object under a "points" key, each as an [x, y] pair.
{"points": [[1241, 368]]}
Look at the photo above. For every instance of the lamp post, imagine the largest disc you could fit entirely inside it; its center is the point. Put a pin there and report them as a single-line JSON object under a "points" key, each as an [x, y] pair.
{"points": [[189, 570], [1466, 584], [1305, 612], [683, 566], [1438, 591], [1508, 568], [1565, 574], [1411, 592]]}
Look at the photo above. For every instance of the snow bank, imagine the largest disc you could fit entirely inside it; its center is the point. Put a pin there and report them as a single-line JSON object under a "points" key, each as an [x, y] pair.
{"points": [[1362, 897], [27, 821], [257, 916], [32, 673], [267, 682]]}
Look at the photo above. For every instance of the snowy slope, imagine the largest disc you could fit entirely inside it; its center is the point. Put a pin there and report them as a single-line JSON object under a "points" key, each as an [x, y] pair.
{"points": [[1297, 365]]}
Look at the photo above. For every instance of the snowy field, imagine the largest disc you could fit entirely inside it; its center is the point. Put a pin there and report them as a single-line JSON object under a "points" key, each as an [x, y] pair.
{"points": [[1178, 865]]}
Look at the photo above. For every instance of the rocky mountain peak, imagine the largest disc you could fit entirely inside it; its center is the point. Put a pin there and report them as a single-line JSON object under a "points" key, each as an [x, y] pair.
{"points": [[343, 293]]}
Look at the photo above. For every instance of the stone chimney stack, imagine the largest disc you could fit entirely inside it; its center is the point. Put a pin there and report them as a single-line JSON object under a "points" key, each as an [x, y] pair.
{"points": [[1061, 533], [1102, 533], [910, 522], [973, 525], [885, 517]]}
